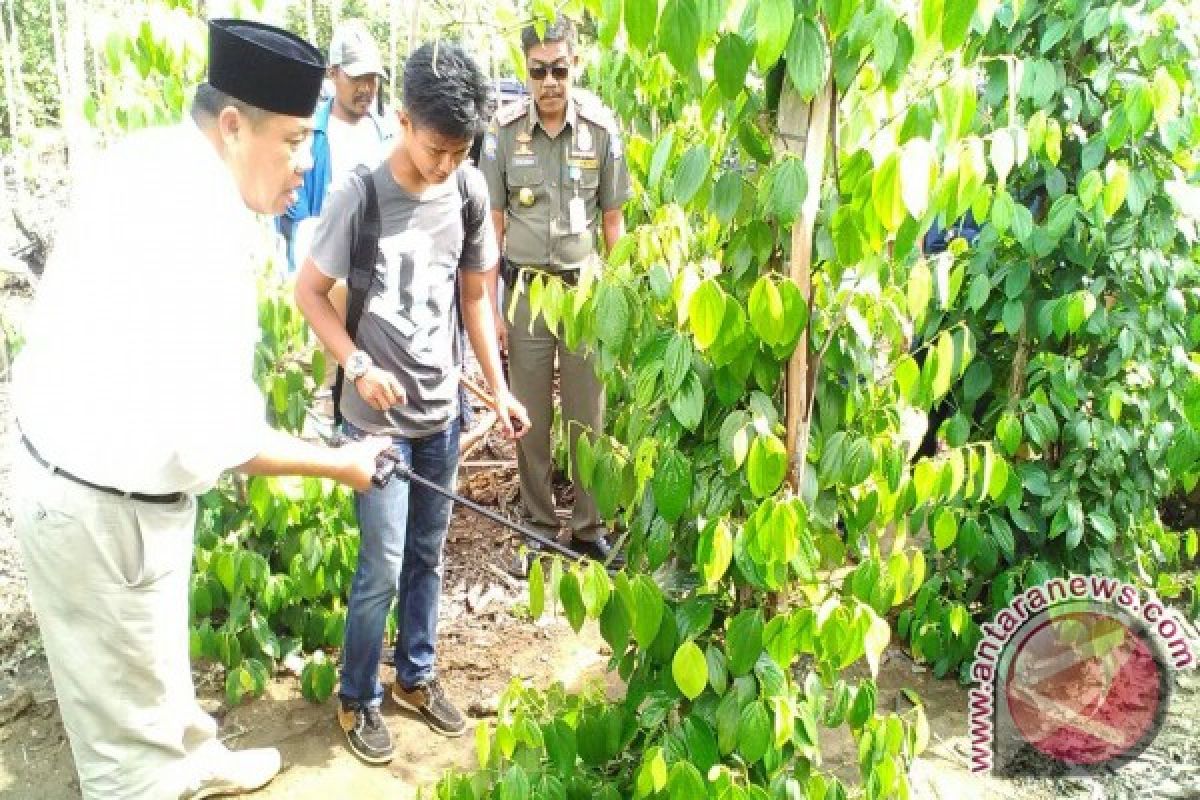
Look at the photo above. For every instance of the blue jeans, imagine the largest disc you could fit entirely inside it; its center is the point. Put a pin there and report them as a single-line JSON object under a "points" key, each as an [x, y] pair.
{"points": [[402, 529]]}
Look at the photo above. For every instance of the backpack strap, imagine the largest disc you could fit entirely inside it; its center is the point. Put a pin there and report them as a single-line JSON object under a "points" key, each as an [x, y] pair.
{"points": [[460, 176], [364, 254]]}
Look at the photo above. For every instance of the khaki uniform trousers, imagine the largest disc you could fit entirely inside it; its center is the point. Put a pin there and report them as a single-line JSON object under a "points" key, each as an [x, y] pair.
{"points": [[531, 358], [108, 578]]}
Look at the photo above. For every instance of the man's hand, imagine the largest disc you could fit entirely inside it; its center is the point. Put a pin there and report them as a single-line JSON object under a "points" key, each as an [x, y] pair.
{"points": [[380, 389], [359, 461], [508, 411]]}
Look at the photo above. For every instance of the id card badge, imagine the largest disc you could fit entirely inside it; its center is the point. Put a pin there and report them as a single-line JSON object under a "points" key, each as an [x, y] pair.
{"points": [[577, 212]]}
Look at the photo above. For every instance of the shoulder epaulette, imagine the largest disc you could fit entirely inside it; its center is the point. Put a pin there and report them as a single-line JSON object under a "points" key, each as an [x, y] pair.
{"points": [[593, 110], [512, 112]]}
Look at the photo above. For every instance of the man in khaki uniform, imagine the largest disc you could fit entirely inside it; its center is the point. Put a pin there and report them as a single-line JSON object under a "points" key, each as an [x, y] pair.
{"points": [[557, 178]]}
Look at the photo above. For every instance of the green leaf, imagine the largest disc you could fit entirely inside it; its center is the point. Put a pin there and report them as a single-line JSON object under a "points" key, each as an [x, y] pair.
{"points": [[744, 642], [612, 316], [789, 186], [596, 588], [886, 193], [679, 34], [318, 677], [572, 600], [1116, 186], [957, 23], [1012, 316], [945, 529], [688, 404], [767, 465], [754, 732], [957, 102], [537, 589], [648, 610], [919, 289], [908, 375], [1053, 141], [1102, 523], [660, 159], [1008, 432], [807, 58], [1004, 154], [879, 634], [773, 27], [916, 175], [1166, 97], [731, 62], [978, 293], [795, 313], [1017, 280], [718, 669], [641, 19], [690, 670], [706, 309], [714, 552], [685, 782], [848, 235], [766, 310], [672, 485], [616, 623], [727, 197], [693, 169], [932, 12], [562, 747], [677, 363]]}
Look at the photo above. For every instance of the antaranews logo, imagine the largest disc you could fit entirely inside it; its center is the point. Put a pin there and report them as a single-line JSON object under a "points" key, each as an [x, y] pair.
{"points": [[1074, 675]]}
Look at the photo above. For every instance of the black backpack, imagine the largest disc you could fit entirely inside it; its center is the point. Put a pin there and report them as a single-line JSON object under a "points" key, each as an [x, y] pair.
{"points": [[364, 255]]}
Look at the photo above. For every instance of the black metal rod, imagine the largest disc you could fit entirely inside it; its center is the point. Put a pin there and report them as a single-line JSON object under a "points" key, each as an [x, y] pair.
{"points": [[404, 471]]}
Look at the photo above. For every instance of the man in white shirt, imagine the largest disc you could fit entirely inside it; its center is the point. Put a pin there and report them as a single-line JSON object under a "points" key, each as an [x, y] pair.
{"points": [[135, 392], [346, 133]]}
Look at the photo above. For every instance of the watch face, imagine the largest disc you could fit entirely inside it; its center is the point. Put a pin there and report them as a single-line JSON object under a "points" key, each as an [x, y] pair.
{"points": [[357, 364]]}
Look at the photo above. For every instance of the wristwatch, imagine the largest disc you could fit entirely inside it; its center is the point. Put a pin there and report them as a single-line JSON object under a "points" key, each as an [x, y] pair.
{"points": [[357, 364]]}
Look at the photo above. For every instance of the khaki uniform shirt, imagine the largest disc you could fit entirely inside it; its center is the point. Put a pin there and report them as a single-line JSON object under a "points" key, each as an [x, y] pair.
{"points": [[534, 178]]}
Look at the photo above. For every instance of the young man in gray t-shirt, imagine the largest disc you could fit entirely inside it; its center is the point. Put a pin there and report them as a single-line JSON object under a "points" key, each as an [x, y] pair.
{"points": [[402, 377]]}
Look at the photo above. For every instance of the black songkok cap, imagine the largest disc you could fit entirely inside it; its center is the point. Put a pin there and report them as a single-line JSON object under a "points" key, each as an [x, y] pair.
{"points": [[264, 66]]}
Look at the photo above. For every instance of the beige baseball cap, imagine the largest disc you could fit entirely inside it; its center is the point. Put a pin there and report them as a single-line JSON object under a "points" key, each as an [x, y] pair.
{"points": [[354, 50]]}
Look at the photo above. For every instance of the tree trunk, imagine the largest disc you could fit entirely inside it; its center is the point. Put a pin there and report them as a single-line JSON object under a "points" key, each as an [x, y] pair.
{"points": [[13, 91], [803, 130], [414, 26], [60, 65], [335, 14], [310, 20], [393, 47], [79, 135]]}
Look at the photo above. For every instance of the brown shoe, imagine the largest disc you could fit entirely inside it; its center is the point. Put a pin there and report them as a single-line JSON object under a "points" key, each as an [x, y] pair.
{"points": [[429, 700]]}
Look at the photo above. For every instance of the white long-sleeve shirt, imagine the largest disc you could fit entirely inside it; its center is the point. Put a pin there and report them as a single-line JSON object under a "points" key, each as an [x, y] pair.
{"points": [[137, 371]]}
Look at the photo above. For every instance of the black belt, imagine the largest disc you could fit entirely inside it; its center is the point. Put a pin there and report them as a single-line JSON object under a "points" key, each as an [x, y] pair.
{"points": [[570, 277], [173, 497]]}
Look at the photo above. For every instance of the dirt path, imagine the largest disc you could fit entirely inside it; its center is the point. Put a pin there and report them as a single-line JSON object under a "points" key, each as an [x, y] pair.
{"points": [[35, 759]]}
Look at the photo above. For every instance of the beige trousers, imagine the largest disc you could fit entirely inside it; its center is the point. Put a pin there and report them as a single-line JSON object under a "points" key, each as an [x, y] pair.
{"points": [[531, 358], [109, 584]]}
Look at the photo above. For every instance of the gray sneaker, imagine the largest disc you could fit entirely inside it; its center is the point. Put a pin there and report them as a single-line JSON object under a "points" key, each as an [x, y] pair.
{"points": [[366, 733], [429, 700]]}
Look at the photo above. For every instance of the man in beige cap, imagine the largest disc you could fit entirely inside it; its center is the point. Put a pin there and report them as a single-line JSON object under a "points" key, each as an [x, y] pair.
{"points": [[148, 310], [347, 132]]}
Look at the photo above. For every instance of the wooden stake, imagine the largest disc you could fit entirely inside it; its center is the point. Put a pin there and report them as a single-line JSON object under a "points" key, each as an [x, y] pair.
{"points": [[803, 129]]}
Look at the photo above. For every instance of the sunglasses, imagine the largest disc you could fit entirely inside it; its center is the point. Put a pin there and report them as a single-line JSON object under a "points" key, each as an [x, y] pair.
{"points": [[559, 71]]}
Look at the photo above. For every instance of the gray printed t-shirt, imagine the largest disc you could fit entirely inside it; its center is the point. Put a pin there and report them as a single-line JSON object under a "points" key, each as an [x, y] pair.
{"points": [[409, 321]]}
